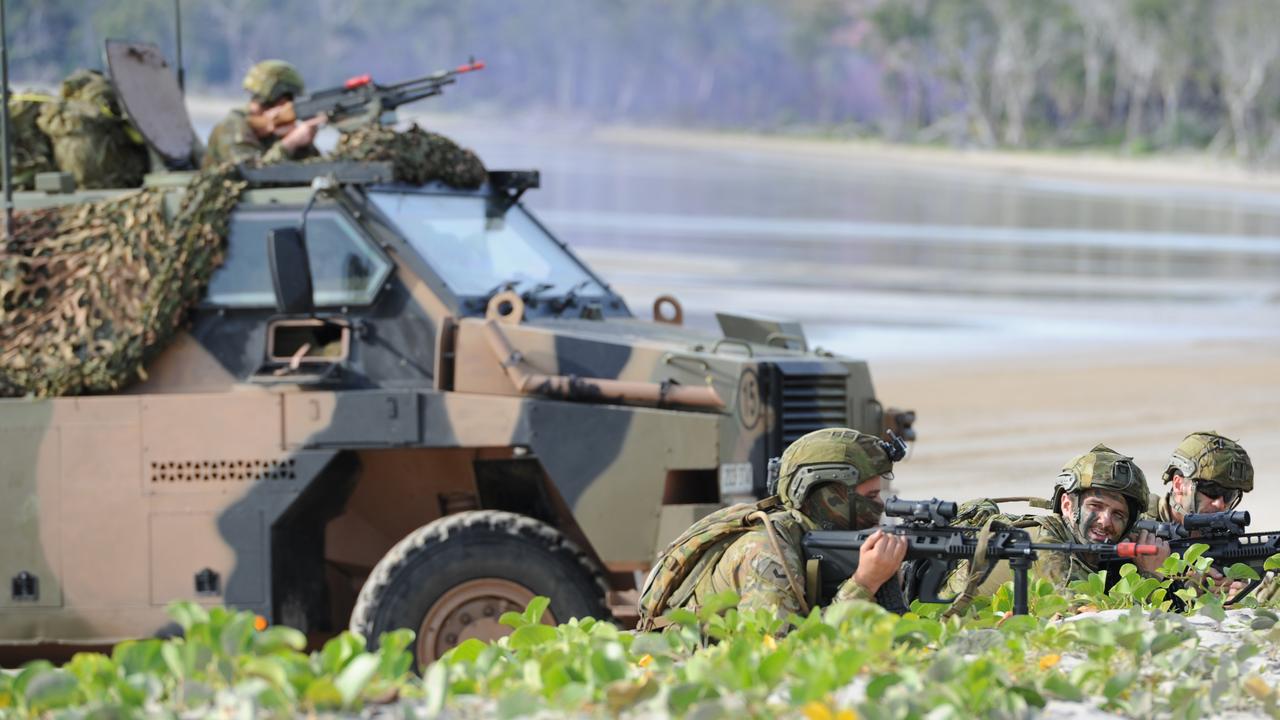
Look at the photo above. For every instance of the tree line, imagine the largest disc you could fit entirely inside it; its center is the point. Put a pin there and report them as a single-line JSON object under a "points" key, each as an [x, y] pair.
{"points": [[1142, 75]]}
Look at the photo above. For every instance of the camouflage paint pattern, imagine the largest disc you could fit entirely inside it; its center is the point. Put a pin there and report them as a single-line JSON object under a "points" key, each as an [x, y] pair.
{"points": [[1210, 457], [750, 567], [233, 140], [90, 137], [287, 492], [835, 506], [270, 80]]}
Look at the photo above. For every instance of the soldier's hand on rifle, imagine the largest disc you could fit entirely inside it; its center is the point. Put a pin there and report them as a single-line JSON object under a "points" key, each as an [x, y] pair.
{"points": [[1222, 585], [1150, 564], [302, 134], [879, 560]]}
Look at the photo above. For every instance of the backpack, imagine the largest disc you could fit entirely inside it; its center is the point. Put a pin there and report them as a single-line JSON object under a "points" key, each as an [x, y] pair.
{"points": [[90, 136], [32, 152], [704, 540]]}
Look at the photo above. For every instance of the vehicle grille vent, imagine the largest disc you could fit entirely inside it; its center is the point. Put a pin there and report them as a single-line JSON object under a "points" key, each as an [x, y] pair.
{"points": [[812, 402], [189, 471]]}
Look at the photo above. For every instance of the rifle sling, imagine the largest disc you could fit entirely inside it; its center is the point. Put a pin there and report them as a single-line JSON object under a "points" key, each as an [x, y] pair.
{"points": [[796, 587], [980, 567]]}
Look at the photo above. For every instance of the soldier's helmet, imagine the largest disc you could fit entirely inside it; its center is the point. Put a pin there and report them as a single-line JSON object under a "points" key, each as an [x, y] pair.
{"points": [[1105, 469], [830, 455], [1210, 457], [270, 80]]}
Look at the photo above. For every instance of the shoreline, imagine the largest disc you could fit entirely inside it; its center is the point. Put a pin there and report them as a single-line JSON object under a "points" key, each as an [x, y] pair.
{"points": [[1191, 168], [1167, 169]]}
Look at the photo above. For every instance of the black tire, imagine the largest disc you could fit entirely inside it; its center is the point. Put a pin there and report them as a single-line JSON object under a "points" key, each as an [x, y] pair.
{"points": [[467, 555]]}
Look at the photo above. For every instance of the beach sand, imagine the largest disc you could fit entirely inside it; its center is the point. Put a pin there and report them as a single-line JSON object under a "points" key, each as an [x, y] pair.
{"points": [[992, 427]]}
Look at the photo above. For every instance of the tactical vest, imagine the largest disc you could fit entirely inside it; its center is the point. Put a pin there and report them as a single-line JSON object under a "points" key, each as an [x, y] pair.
{"points": [[672, 580]]}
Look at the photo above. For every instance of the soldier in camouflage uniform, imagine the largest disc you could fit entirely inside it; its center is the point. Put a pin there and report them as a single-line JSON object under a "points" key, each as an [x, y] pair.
{"points": [[253, 132], [1207, 473], [830, 479], [90, 136], [1097, 498]]}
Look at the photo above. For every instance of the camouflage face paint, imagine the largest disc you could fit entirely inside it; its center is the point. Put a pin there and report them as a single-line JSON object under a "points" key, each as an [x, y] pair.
{"points": [[865, 512], [1101, 514], [828, 506], [835, 506]]}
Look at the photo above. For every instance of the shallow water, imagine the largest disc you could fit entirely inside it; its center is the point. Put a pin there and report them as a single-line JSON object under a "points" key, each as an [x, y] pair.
{"points": [[886, 258]]}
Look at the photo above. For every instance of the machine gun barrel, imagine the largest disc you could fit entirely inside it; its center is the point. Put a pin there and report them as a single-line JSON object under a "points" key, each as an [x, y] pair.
{"points": [[361, 99]]}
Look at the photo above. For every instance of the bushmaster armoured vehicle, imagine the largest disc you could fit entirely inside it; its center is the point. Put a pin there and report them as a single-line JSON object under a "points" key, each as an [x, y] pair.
{"points": [[395, 406]]}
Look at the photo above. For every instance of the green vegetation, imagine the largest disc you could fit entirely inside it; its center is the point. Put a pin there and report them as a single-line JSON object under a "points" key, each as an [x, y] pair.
{"points": [[847, 661], [1138, 75]]}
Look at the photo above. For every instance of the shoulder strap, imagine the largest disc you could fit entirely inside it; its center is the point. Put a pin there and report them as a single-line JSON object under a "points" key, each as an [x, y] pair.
{"points": [[796, 587], [979, 568]]}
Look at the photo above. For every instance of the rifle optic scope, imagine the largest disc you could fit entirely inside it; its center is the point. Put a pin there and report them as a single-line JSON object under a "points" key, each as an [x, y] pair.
{"points": [[1231, 520], [928, 510]]}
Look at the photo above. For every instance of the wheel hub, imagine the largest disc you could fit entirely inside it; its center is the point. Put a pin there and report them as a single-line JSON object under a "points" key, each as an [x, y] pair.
{"points": [[471, 610]]}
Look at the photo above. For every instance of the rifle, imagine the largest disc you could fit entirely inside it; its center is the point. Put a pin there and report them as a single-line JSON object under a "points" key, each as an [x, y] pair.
{"points": [[931, 539], [1225, 534], [359, 100]]}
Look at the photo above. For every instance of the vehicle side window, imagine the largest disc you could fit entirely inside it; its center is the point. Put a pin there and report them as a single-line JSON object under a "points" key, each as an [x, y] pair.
{"points": [[345, 268]]}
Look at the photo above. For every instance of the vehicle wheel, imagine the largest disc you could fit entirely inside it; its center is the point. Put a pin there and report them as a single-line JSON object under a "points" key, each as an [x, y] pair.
{"points": [[452, 579]]}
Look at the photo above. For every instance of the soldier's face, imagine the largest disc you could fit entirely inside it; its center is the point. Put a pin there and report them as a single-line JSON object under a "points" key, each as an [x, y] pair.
{"points": [[1104, 515], [871, 488], [837, 506], [1187, 499]]}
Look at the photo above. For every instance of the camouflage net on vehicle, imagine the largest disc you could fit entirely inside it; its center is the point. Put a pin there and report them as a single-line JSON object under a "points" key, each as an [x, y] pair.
{"points": [[92, 291], [417, 156]]}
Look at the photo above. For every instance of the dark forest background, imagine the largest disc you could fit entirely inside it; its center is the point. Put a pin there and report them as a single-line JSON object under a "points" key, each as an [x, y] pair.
{"points": [[1137, 75]]}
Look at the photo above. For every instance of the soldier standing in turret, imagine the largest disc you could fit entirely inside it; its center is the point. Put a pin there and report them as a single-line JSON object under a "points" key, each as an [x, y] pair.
{"points": [[259, 131]]}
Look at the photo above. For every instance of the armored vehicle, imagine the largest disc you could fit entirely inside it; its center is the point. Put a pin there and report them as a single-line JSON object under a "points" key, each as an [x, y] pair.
{"points": [[395, 406]]}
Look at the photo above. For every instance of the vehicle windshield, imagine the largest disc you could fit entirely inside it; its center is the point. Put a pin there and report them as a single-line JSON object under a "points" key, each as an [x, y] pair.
{"points": [[476, 256]]}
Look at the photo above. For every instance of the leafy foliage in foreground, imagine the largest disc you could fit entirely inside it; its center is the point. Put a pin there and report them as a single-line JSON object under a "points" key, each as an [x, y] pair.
{"points": [[851, 660], [856, 660], [222, 665]]}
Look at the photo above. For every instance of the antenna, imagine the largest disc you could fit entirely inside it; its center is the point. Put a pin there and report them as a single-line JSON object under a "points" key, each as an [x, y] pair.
{"points": [[177, 33], [4, 124]]}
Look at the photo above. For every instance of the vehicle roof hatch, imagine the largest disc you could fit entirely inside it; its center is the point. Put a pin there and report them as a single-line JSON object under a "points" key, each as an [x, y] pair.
{"points": [[149, 90]]}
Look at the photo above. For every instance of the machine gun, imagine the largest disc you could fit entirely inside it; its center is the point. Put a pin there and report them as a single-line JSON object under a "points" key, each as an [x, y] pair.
{"points": [[360, 100], [937, 546], [1225, 534]]}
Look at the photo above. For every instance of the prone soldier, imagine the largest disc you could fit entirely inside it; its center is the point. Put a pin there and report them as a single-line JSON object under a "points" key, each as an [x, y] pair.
{"points": [[1207, 473], [829, 479], [1096, 499]]}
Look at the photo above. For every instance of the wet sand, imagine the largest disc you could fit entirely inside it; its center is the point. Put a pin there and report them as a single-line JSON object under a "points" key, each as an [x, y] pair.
{"points": [[994, 427]]}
